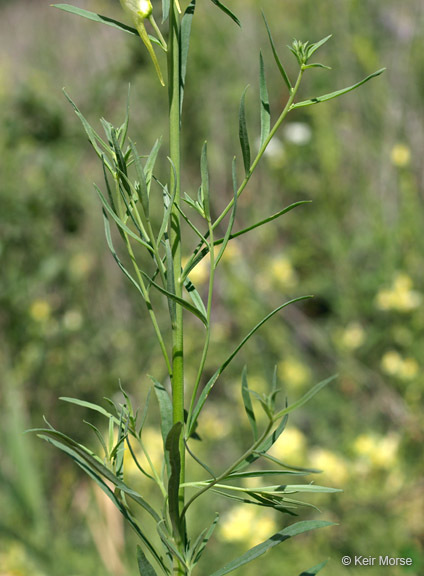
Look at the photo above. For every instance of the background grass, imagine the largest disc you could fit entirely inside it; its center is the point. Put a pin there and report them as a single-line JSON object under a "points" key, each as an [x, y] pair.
{"points": [[71, 325]]}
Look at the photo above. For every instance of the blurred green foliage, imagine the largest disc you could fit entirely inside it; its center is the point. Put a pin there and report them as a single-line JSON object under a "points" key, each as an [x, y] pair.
{"points": [[70, 325]]}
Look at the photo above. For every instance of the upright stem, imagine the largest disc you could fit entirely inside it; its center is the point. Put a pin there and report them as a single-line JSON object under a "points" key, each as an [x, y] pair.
{"points": [[177, 328]]}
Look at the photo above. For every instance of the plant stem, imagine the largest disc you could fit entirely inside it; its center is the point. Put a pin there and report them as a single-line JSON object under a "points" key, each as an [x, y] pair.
{"points": [[175, 235]]}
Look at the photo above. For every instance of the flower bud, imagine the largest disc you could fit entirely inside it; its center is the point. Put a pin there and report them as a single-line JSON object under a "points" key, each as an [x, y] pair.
{"points": [[137, 8]]}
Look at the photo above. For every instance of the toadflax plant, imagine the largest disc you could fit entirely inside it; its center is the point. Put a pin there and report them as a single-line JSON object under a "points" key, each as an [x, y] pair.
{"points": [[131, 192]]}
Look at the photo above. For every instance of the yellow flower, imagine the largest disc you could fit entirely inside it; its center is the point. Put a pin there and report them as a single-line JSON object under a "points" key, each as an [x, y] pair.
{"points": [[293, 373], [40, 310], [282, 272], [400, 297], [290, 446], [400, 155], [244, 524], [353, 336], [393, 364], [334, 468], [379, 451]]}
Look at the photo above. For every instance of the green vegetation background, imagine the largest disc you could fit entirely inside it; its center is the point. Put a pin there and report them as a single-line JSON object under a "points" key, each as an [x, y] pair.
{"points": [[71, 325]]}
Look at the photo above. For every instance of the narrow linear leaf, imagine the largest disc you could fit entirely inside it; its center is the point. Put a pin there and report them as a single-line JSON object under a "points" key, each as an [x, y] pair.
{"points": [[123, 130], [96, 18], [332, 95], [165, 409], [151, 161], [173, 448], [247, 401], [260, 473], [231, 221], [98, 434], [144, 413], [144, 566], [260, 223], [177, 299], [208, 387], [288, 466], [185, 32], [93, 137], [276, 57], [202, 540], [205, 181], [227, 11], [265, 446], [115, 255], [265, 110], [81, 454], [90, 406], [243, 134], [142, 184], [170, 280], [306, 397], [314, 47], [195, 296], [202, 464], [120, 223], [278, 538], [165, 10], [136, 462], [168, 203], [313, 571]]}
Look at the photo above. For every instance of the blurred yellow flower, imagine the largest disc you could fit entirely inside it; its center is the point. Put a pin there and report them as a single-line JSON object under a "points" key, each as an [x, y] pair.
{"points": [[293, 373], [353, 336], [400, 296], [80, 265], [400, 155], [334, 467], [379, 451], [40, 310], [200, 274], [290, 447], [394, 364], [244, 524], [283, 273], [72, 320]]}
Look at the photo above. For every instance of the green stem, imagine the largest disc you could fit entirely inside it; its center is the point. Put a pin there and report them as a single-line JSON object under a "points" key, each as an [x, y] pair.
{"points": [[175, 236]]}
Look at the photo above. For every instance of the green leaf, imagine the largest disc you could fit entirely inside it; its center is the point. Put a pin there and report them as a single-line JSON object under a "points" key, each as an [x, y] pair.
{"points": [[142, 184], [313, 571], [243, 134], [306, 397], [260, 473], [262, 222], [316, 65], [265, 446], [265, 110], [276, 57], [170, 280], [332, 95], [231, 221], [185, 32], [247, 401], [115, 255], [288, 466], [93, 137], [178, 300], [227, 11], [144, 566], [123, 130], [151, 161], [202, 540], [314, 47], [208, 387], [165, 409], [99, 436], [205, 182], [278, 538], [195, 296], [96, 18], [81, 454], [173, 448], [168, 203], [165, 10], [90, 406], [120, 223], [144, 413]]}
